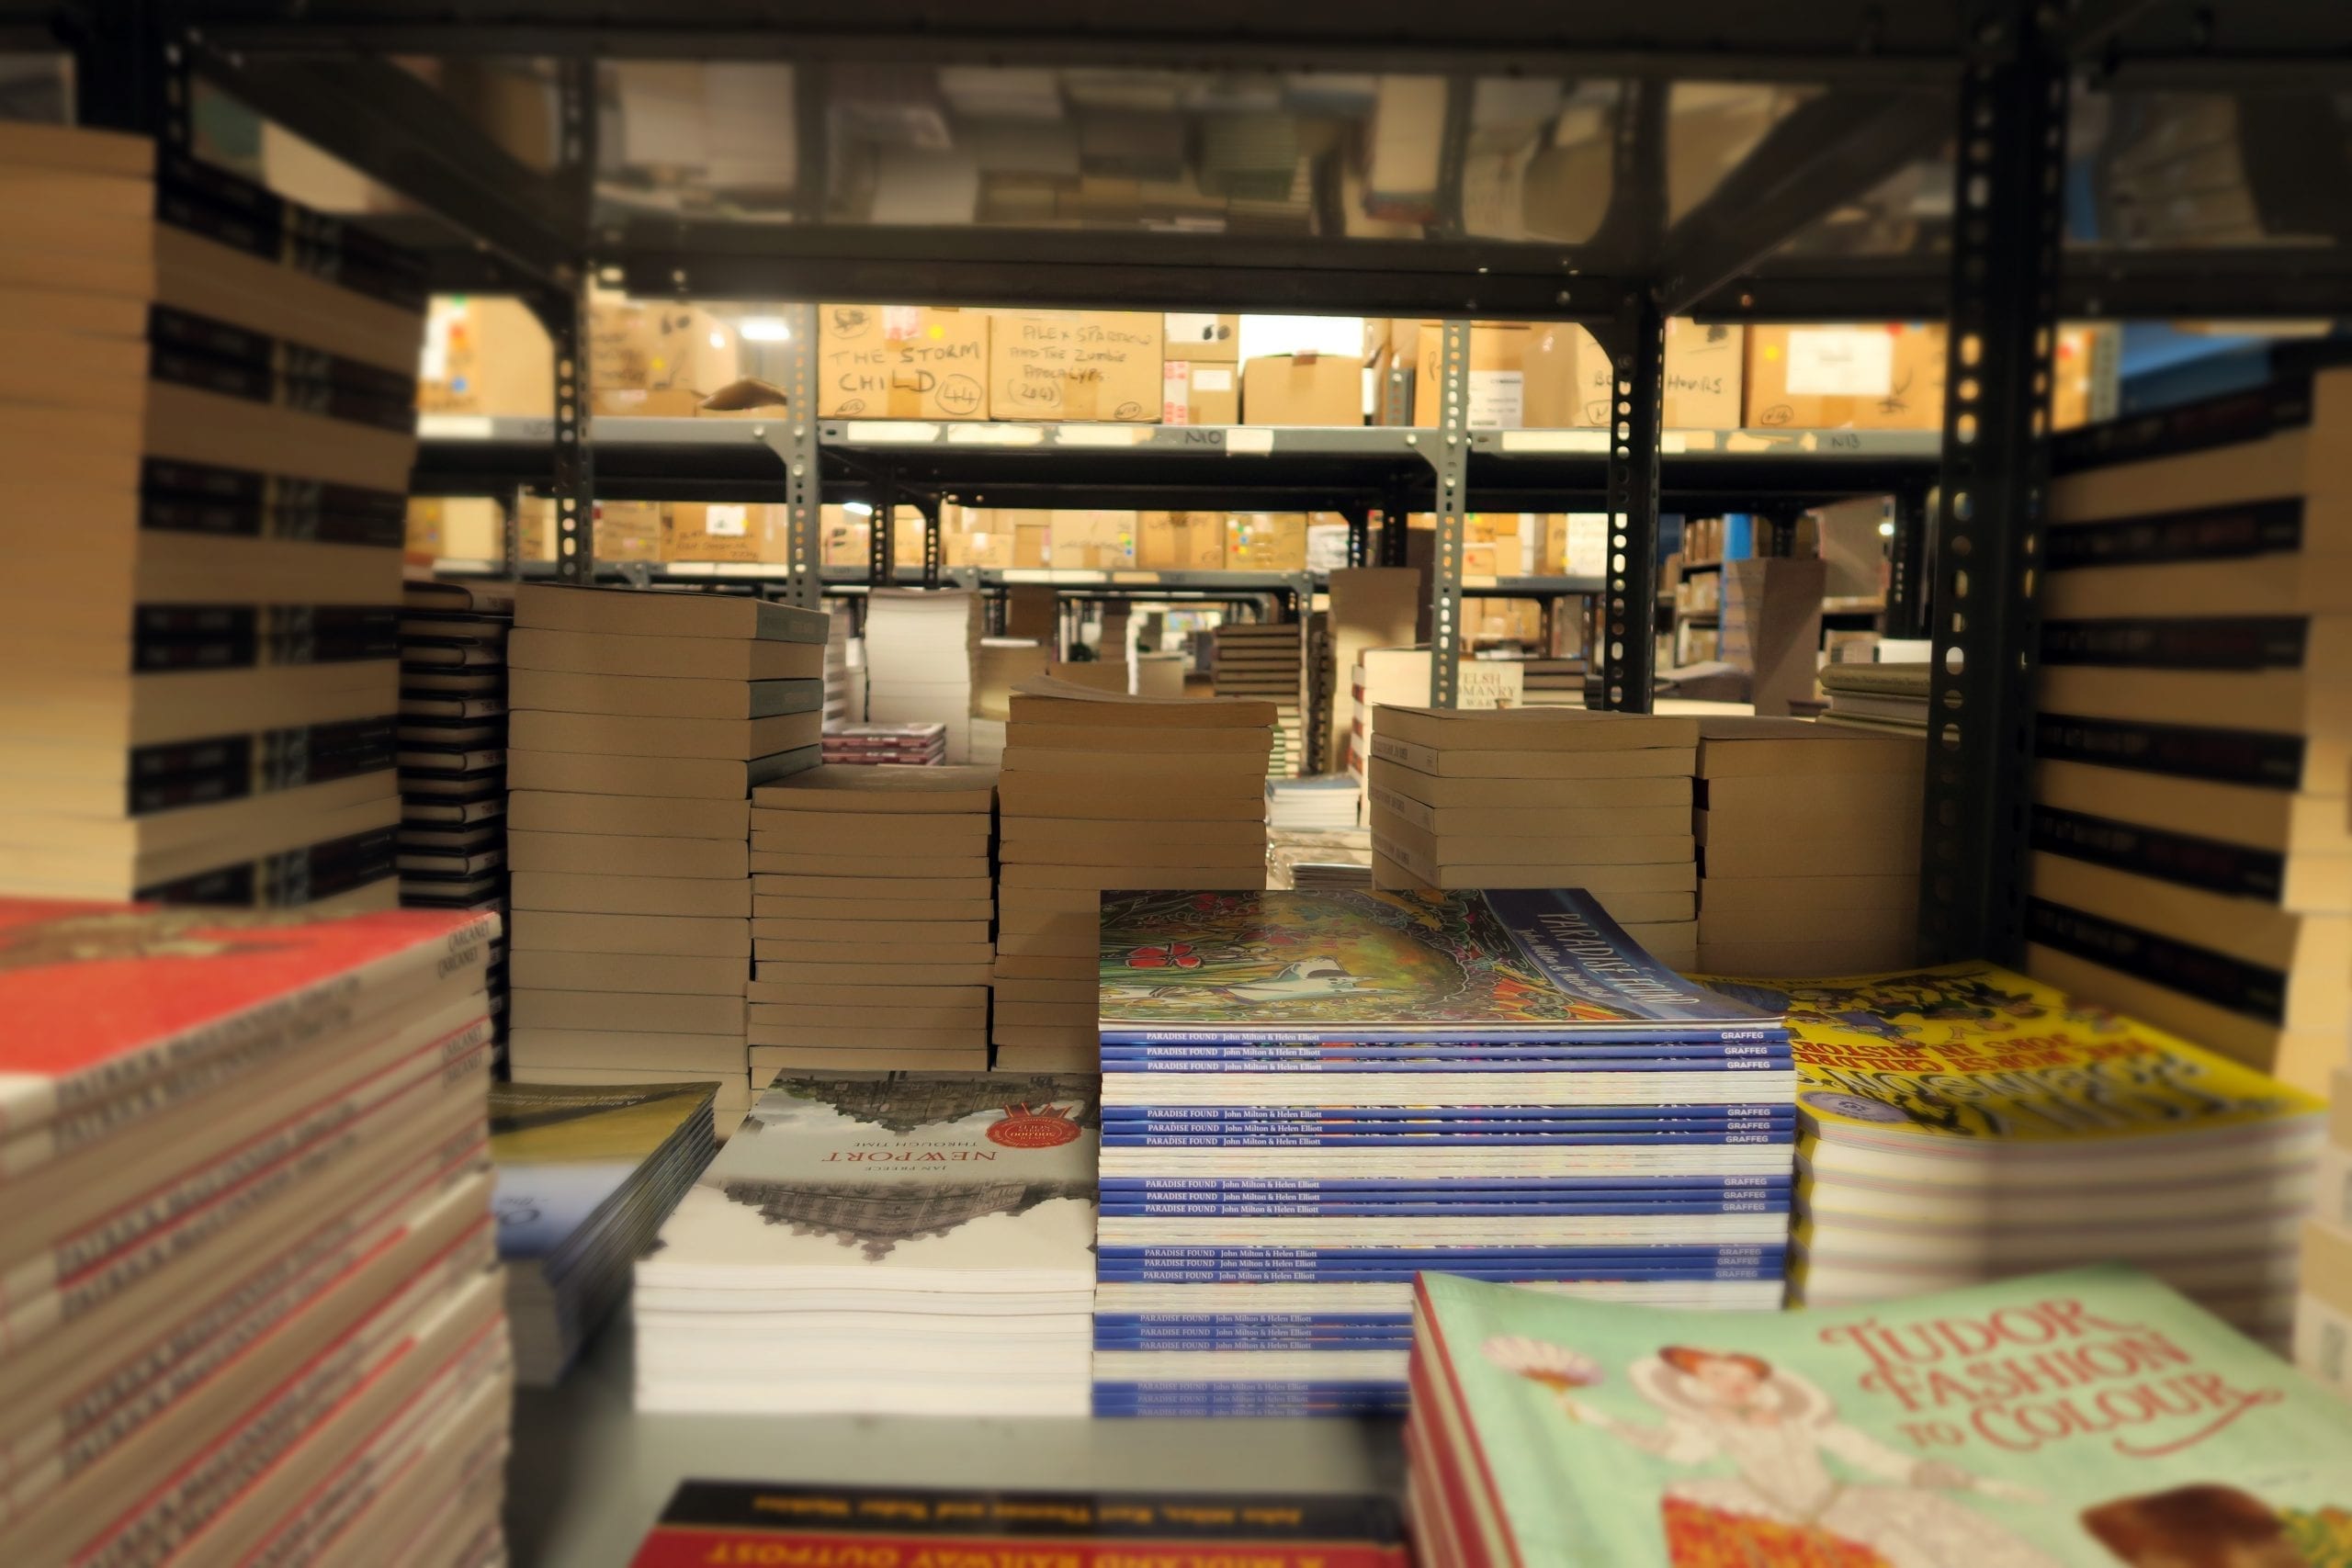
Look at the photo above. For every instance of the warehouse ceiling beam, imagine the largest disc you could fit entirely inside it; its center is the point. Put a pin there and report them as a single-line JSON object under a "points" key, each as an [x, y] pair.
{"points": [[1829, 151], [2286, 282], [396, 129]]}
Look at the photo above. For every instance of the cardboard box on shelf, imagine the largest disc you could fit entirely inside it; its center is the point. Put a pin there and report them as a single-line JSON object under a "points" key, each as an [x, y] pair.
{"points": [[1092, 540], [1078, 366], [1302, 390], [1032, 544], [901, 362], [1266, 541], [624, 530], [456, 527], [1217, 339], [1571, 383], [976, 549], [1874, 377], [1181, 541], [657, 358], [1498, 374], [1198, 391], [843, 536], [726, 531], [485, 356]]}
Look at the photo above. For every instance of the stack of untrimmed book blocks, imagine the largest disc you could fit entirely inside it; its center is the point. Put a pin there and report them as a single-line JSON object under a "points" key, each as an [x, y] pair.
{"points": [[870, 908], [1543, 797], [1267, 662], [1808, 847], [640, 723], [919, 648], [1105, 792], [2192, 843], [208, 396]]}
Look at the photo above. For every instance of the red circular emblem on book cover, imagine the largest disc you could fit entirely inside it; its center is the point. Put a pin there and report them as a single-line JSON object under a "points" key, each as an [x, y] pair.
{"points": [[1025, 1129]]}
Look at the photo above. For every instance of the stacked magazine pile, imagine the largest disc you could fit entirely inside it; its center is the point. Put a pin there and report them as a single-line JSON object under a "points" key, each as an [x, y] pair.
{"points": [[919, 648], [887, 1243], [253, 1304], [586, 1175], [1962, 1123], [2087, 1419], [870, 909], [1308, 1098], [912, 745]]}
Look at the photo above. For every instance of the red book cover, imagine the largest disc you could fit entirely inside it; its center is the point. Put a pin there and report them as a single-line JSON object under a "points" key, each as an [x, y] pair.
{"points": [[99, 998]]}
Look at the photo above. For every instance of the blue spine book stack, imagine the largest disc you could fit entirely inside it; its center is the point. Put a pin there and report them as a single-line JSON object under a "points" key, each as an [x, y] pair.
{"points": [[1310, 1097]]}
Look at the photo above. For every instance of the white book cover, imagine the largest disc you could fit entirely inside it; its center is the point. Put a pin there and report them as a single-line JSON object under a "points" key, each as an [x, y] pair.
{"points": [[922, 1181]]}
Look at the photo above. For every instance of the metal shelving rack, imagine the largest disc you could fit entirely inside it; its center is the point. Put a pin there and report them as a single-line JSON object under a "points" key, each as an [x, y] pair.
{"points": [[1994, 80]]}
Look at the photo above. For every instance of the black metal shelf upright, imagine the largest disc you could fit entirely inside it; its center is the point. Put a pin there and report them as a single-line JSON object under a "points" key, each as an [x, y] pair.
{"points": [[1889, 85]]}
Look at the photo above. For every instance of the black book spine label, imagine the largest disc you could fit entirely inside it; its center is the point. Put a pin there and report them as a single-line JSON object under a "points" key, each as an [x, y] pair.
{"points": [[196, 773], [2219, 756], [2218, 978], [243, 637], [2218, 532], [2207, 864], [196, 498], [289, 877], [2226, 421], [2218, 642], [229, 209], [215, 357]]}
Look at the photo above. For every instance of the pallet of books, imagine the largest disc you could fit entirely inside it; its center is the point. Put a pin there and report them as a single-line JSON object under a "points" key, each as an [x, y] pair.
{"points": [[641, 721], [920, 648], [1544, 797], [1808, 846], [2083, 1419], [2324, 1308], [1962, 1123], [1266, 662], [210, 396], [1098, 792], [913, 1243], [586, 1175], [1400, 678], [903, 745], [254, 1309], [870, 909], [2193, 740], [1309, 1098], [453, 754]]}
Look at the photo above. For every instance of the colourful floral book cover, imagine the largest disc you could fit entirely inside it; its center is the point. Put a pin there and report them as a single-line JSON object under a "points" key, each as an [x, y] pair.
{"points": [[1975, 1053], [2086, 1419], [1522, 967]]}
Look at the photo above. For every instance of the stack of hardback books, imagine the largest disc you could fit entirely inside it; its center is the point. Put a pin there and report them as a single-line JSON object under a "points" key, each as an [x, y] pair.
{"points": [[586, 1175], [920, 648], [1808, 847], [891, 1243], [1308, 1098], [908, 745], [870, 919], [210, 396], [1544, 797], [2193, 734], [2077, 1420], [1099, 791], [253, 1310], [1962, 1123], [641, 722], [1267, 662]]}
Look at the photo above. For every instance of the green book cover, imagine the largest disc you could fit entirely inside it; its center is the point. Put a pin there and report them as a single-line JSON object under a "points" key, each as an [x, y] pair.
{"points": [[2089, 1418]]}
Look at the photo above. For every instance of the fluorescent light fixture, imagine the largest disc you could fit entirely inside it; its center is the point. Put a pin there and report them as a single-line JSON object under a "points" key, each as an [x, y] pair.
{"points": [[1886, 530], [858, 508], [764, 329]]}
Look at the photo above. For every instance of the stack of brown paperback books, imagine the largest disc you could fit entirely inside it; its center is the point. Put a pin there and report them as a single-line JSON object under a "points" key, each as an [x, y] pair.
{"points": [[1103, 792], [1268, 663], [870, 911], [913, 745], [208, 405], [1808, 847], [254, 1312], [1543, 797], [640, 724], [2193, 735]]}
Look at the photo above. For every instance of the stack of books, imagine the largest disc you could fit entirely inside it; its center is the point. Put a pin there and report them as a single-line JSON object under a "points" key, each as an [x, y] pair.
{"points": [[1962, 1123], [2323, 1309], [1566, 1431], [2193, 737], [1320, 804], [1003, 662], [1877, 696], [210, 404], [254, 1310], [907, 745], [641, 722], [1267, 662], [1808, 847], [1544, 797], [845, 669], [884, 1242], [1109, 792], [1308, 1098], [920, 648], [1400, 678], [870, 909], [1552, 683], [586, 1175]]}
